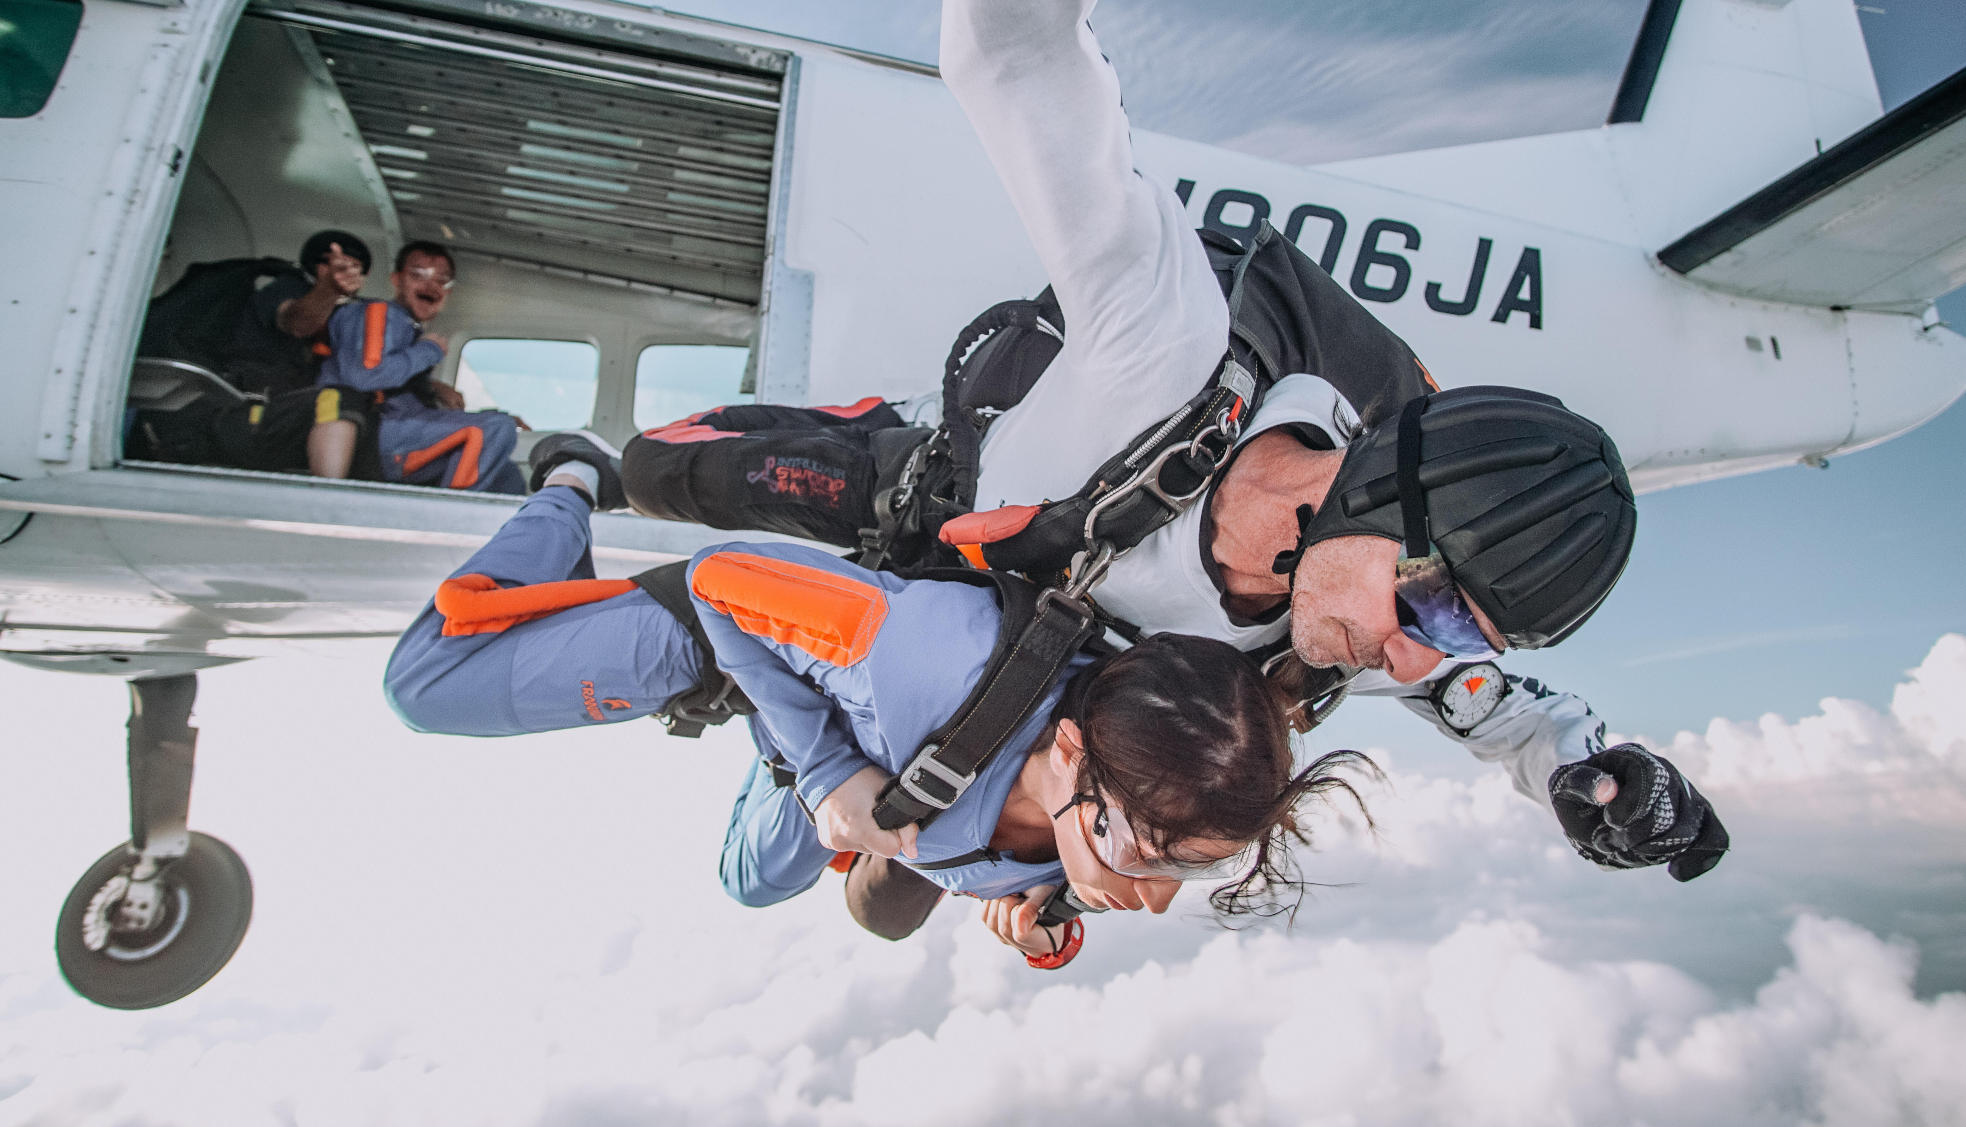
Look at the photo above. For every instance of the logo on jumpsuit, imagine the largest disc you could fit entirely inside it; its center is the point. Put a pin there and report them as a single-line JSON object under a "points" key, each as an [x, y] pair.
{"points": [[592, 705], [801, 477]]}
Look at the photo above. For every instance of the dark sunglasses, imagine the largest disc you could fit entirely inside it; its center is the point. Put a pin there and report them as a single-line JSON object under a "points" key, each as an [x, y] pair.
{"points": [[1432, 612]]}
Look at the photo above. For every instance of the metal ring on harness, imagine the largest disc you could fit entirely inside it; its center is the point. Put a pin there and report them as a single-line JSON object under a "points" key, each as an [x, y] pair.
{"points": [[1147, 477]]}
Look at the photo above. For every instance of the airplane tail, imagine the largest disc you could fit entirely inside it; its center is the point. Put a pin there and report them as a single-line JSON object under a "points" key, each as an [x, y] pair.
{"points": [[1722, 96]]}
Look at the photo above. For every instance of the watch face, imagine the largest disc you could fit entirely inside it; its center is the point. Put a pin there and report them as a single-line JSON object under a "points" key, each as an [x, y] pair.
{"points": [[1470, 695]]}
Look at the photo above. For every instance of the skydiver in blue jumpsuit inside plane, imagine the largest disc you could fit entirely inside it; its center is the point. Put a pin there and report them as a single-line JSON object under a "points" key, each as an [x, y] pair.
{"points": [[379, 350], [1166, 762]]}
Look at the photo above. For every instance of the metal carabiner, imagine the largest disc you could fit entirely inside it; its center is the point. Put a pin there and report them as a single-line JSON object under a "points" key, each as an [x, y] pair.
{"points": [[1088, 569]]}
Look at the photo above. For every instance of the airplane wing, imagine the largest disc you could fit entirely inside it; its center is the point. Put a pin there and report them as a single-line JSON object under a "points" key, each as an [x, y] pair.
{"points": [[1873, 223]]}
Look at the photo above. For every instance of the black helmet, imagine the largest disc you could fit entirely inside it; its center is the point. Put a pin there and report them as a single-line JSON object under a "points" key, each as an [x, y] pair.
{"points": [[1526, 501], [315, 250]]}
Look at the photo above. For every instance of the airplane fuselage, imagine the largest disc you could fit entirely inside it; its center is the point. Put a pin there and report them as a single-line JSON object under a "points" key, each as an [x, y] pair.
{"points": [[880, 229]]}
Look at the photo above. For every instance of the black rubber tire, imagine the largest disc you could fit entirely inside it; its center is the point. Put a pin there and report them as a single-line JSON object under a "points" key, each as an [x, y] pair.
{"points": [[209, 898]]}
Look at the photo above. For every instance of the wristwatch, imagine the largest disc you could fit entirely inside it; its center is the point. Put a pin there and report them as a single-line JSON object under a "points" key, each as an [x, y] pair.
{"points": [[1469, 695]]}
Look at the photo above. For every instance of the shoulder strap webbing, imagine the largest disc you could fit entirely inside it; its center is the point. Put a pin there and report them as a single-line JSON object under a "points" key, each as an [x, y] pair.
{"points": [[957, 862], [1038, 636], [715, 697]]}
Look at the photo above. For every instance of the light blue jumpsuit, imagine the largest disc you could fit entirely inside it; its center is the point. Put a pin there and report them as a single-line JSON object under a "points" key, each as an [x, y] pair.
{"points": [[419, 444], [918, 646]]}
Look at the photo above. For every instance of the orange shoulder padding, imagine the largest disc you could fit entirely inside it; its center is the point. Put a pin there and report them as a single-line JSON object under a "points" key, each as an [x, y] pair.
{"points": [[832, 617], [375, 330], [854, 410], [476, 604], [676, 433], [989, 526]]}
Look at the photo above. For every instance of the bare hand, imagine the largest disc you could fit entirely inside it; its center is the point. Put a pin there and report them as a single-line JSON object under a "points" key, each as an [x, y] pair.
{"points": [[448, 398], [845, 818], [1014, 921], [443, 342], [341, 272]]}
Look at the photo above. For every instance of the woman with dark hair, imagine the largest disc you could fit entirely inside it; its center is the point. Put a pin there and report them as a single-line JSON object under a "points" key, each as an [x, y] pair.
{"points": [[1137, 771]]}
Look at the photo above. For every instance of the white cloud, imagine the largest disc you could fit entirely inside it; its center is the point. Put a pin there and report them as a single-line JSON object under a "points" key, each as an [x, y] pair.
{"points": [[1921, 740], [529, 931]]}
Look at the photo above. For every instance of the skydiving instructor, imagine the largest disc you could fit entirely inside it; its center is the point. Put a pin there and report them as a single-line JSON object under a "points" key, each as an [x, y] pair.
{"points": [[1378, 523]]}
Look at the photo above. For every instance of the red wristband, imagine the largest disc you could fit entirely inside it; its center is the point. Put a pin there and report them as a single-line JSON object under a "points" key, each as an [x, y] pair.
{"points": [[1074, 939]]}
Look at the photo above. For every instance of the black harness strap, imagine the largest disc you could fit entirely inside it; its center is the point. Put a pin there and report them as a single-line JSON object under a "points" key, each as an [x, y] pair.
{"points": [[1038, 636], [956, 862], [715, 698]]}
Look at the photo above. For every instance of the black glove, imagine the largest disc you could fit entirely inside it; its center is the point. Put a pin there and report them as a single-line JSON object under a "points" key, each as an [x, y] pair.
{"points": [[1655, 815]]}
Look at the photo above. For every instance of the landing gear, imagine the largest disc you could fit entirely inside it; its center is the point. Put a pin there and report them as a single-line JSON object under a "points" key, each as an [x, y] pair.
{"points": [[155, 919], [132, 944]]}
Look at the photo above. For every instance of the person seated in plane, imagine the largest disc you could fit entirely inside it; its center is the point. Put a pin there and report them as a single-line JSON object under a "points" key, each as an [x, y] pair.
{"points": [[1261, 557], [378, 373], [1138, 770], [281, 335]]}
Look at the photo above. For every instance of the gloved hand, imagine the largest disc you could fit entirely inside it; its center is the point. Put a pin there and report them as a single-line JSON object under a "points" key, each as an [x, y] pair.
{"points": [[1625, 808]]}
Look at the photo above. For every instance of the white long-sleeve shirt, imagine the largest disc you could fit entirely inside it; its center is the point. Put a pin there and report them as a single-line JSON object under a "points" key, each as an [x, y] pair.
{"points": [[1146, 324]]}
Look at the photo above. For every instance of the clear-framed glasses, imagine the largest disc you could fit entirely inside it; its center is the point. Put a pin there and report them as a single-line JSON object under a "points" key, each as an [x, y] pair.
{"points": [[1432, 612], [1115, 845], [431, 274]]}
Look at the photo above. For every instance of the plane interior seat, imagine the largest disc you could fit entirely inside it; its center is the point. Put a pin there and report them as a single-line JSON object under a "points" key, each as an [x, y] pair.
{"points": [[158, 383], [598, 197]]}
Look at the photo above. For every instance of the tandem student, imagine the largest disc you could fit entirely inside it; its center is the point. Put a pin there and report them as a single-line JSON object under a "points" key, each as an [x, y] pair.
{"points": [[1138, 771]]}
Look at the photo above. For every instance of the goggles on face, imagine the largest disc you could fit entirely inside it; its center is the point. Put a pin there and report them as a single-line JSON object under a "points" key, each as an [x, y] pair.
{"points": [[431, 274], [1432, 612], [1116, 847]]}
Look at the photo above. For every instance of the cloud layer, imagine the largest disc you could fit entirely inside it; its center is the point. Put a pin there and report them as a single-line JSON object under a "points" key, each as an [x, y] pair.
{"points": [[529, 932]]}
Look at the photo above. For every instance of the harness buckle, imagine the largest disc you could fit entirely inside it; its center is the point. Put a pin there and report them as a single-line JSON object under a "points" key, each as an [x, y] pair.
{"points": [[925, 763]]}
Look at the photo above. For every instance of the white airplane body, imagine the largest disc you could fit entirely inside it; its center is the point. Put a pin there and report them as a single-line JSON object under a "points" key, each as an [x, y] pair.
{"points": [[633, 179]]}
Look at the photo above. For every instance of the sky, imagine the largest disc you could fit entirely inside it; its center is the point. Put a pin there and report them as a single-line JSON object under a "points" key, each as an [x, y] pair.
{"points": [[530, 931]]}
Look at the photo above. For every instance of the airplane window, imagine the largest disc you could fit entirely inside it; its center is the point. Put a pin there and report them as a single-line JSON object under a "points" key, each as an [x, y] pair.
{"points": [[673, 381], [548, 383], [35, 36]]}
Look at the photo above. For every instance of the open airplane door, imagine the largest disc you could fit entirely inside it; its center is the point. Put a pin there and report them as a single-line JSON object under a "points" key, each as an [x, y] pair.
{"points": [[618, 178]]}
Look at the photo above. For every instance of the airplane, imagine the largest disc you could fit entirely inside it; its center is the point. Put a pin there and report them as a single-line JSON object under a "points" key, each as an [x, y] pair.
{"points": [[1735, 272]]}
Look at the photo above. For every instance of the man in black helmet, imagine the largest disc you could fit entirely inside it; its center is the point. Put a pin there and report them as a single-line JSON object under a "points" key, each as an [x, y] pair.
{"points": [[274, 348], [1381, 525]]}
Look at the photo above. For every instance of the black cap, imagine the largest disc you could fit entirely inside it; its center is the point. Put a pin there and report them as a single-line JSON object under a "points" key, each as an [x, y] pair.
{"points": [[315, 250], [1526, 500]]}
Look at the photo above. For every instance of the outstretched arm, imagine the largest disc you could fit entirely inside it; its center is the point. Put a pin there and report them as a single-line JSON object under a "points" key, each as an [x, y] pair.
{"points": [[1622, 807], [1533, 730], [1145, 317]]}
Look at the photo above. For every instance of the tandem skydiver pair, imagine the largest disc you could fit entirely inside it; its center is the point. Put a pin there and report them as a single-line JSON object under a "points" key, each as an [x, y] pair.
{"points": [[1338, 505]]}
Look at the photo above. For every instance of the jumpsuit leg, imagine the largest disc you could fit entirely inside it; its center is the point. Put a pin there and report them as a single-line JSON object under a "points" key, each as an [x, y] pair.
{"points": [[452, 449], [801, 471], [536, 676]]}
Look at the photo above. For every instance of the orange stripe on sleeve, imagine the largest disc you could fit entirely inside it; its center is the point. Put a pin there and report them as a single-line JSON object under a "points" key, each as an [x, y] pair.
{"points": [[476, 604], [829, 616], [375, 327]]}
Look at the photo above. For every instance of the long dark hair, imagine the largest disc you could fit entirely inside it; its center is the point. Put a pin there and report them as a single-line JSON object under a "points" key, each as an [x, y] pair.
{"points": [[1187, 738]]}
